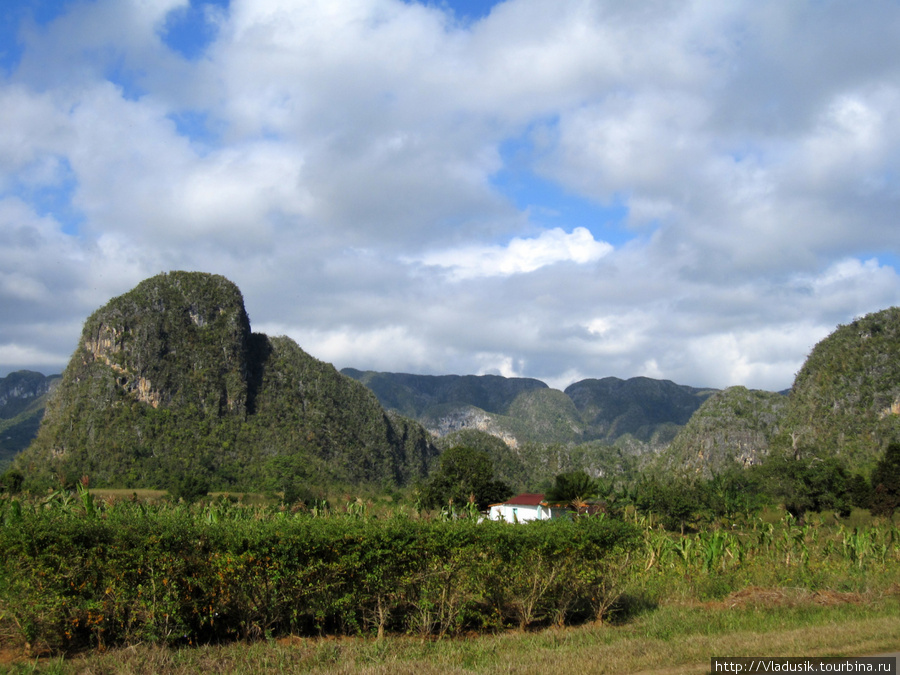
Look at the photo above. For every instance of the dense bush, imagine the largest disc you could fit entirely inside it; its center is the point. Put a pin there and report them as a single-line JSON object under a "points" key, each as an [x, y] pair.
{"points": [[75, 574]]}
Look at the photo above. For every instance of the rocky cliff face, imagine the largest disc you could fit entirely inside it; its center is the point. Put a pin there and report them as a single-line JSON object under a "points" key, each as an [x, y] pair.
{"points": [[19, 389], [169, 379]]}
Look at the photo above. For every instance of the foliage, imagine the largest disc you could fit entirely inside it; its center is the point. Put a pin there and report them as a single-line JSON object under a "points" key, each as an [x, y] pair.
{"points": [[11, 481], [845, 401], [676, 501], [77, 572], [734, 494], [575, 486], [808, 484], [465, 472], [885, 493], [188, 488]]}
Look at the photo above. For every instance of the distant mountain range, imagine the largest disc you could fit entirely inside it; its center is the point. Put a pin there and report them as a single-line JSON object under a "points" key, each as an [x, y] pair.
{"points": [[520, 410], [168, 379], [23, 395]]}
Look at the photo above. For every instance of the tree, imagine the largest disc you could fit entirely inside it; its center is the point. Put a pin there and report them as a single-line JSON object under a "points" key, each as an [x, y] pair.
{"points": [[463, 472], [675, 500], [885, 495], [11, 481], [732, 493], [189, 487], [812, 484], [860, 491], [574, 486]]}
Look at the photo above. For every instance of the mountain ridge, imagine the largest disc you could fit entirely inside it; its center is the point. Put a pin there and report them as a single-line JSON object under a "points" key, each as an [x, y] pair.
{"points": [[170, 379], [529, 410]]}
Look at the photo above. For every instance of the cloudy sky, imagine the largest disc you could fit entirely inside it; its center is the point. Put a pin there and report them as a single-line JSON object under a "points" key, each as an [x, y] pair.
{"points": [[690, 190]]}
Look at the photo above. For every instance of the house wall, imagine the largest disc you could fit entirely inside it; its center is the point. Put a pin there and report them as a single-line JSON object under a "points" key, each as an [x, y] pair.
{"points": [[513, 513]]}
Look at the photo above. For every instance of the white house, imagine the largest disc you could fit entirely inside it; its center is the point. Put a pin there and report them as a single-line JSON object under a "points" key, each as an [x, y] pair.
{"points": [[525, 507]]}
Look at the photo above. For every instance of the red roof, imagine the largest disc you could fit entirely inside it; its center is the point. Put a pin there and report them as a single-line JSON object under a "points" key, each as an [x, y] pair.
{"points": [[526, 499]]}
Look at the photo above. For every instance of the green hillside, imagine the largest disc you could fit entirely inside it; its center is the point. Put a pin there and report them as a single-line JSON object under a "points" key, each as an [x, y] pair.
{"points": [[639, 406], [168, 381], [417, 395], [640, 410], [844, 405], [845, 401], [734, 427]]}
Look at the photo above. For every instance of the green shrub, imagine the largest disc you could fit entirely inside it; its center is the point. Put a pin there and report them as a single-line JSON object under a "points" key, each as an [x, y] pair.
{"points": [[73, 577]]}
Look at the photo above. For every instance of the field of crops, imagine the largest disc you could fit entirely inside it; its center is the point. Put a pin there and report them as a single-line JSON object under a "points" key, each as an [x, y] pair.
{"points": [[80, 572]]}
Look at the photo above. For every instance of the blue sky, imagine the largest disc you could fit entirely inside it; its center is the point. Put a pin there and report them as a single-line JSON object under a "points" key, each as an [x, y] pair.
{"points": [[690, 191]]}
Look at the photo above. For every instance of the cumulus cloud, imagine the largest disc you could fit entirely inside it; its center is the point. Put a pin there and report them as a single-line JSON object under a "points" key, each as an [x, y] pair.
{"points": [[520, 256], [345, 162]]}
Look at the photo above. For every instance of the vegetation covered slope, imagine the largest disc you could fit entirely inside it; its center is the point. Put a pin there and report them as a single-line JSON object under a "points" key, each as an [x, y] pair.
{"points": [[734, 427], [168, 380], [23, 395], [612, 407], [416, 395], [844, 406], [845, 401], [520, 410]]}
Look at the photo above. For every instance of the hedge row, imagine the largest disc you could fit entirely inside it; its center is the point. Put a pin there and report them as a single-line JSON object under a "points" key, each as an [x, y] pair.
{"points": [[78, 578]]}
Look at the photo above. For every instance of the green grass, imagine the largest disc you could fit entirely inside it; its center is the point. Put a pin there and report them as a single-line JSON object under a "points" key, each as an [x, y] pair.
{"points": [[670, 638]]}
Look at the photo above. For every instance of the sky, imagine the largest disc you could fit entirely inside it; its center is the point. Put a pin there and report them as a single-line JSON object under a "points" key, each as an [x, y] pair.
{"points": [[691, 190]]}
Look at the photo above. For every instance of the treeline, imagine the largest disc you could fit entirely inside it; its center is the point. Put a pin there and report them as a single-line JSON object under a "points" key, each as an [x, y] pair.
{"points": [[799, 485], [76, 572]]}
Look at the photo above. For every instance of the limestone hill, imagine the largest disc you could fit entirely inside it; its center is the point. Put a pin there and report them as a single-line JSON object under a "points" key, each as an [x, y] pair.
{"points": [[168, 380]]}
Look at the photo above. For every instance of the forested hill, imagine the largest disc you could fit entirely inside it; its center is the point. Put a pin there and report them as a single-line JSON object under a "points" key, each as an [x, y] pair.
{"points": [[169, 381], [525, 410], [733, 428], [640, 406], [417, 395], [844, 405], [845, 401], [23, 395]]}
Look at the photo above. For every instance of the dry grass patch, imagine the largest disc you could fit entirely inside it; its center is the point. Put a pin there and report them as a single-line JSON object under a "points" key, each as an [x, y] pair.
{"points": [[754, 596]]}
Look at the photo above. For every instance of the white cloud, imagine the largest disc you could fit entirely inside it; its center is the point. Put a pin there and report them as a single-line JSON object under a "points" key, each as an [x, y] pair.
{"points": [[348, 181], [388, 348], [16, 356], [520, 255]]}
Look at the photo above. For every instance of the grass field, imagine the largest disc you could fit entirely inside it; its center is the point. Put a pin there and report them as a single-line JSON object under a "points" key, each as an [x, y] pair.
{"points": [[673, 638]]}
